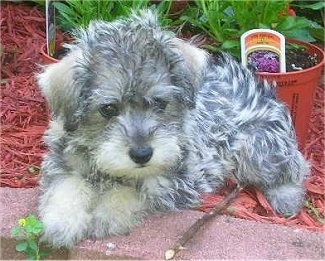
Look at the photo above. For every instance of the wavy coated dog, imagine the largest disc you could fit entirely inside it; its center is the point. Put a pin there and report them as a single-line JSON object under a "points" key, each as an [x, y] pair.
{"points": [[143, 122]]}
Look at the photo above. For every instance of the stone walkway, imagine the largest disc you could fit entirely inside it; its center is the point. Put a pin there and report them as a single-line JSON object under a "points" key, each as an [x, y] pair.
{"points": [[223, 238]]}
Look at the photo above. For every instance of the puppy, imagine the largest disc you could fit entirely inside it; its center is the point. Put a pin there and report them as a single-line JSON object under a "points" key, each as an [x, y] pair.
{"points": [[143, 122]]}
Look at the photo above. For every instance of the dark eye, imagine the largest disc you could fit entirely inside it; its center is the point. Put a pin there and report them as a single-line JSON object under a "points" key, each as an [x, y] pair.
{"points": [[109, 110], [160, 103]]}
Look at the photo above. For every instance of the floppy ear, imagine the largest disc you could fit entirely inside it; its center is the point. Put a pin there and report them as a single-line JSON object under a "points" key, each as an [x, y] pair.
{"points": [[57, 85], [193, 63], [194, 58]]}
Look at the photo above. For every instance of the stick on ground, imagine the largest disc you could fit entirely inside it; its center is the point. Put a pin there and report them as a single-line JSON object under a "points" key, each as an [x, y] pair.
{"points": [[171, 252]]}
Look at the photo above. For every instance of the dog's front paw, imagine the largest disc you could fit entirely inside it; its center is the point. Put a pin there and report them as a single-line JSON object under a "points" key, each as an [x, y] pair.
{"points": [[118, 211], [64, 210], [64, 230]]}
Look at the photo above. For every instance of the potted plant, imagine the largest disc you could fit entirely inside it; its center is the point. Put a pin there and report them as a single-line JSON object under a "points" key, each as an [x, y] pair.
{"points": [[72, 14], [265, 51], [225, 21], [296, 88]]}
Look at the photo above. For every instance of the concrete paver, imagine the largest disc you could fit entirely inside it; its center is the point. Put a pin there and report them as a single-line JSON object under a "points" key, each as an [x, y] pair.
{"points": [[223, 238]]}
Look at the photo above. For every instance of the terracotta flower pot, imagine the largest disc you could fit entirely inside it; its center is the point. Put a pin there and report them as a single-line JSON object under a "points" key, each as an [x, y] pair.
{"points": [[47, 59], [297, 89]]}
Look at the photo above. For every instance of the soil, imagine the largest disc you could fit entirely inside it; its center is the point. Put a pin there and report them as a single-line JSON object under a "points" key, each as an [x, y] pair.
{"points": [[298, 58]]}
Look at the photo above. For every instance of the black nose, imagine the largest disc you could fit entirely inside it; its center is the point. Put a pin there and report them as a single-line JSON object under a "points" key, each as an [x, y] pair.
{"points": [[141, 155]]}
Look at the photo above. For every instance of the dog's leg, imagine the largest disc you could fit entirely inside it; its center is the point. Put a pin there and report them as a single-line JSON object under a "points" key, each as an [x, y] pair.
{"points": [[286, 199], [64, 209], [276, 167], [287, 196], [117, 212]]}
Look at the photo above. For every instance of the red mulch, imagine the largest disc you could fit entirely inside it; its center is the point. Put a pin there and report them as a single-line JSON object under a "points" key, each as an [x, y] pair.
{"points": [[24, 119]]}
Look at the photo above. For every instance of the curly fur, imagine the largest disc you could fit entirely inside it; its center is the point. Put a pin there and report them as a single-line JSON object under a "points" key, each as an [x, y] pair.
{"points": [[143, 122]]}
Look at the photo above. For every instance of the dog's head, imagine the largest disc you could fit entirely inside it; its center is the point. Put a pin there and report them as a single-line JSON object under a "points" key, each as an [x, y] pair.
{"points": [[123, 91]]}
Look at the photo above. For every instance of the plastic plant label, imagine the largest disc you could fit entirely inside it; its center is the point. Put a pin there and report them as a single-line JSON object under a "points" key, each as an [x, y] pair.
{"points": [[264, 50], [50, 27]]}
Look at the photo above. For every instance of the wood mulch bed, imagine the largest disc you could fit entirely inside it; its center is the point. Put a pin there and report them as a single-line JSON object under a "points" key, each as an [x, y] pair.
{"points": [[24, 118]]}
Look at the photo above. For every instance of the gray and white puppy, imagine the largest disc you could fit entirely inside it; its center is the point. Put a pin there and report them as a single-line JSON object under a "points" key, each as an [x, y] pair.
{"points": [[143, 122]]}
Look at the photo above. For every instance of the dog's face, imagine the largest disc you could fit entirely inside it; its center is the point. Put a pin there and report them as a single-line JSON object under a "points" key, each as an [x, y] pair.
{"points": [[123, 93]]}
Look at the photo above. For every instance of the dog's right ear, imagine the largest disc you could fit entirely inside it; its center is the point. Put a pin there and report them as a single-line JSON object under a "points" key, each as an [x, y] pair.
{"points": [[57, 85]]}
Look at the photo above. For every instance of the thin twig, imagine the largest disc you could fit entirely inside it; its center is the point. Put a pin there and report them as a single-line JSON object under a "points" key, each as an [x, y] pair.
{"points": [[171, 252]]}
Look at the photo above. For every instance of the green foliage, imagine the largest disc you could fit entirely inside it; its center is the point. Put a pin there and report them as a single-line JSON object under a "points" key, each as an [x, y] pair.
{"points": [[314, 10], [314, 211], [73, 14], [225, 21], [27, 233], [163, 9], [78, 13], [33, 170]]}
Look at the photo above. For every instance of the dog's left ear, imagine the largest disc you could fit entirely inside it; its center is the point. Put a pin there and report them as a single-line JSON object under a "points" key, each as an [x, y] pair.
{"points": [[194, 62], [194, 58]]}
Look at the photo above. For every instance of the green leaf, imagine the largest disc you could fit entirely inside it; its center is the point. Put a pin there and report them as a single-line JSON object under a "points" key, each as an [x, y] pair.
{"points": [[21, 247], [31, 219], [317, 33], [315, 6], [300, 34], [33, 245], [229, 44], [28, 230], [15, 231], [313, 210], [64, 8], [37, 229], [31, 169], [263, 26], [286, 24]]}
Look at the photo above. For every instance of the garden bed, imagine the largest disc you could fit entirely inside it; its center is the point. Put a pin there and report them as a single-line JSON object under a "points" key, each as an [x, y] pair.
{"points": [[24, 118]]}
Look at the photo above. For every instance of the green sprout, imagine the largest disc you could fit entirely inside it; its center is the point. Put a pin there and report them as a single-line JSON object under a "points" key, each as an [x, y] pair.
{"points": [[28, 232], [314, 211]]}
